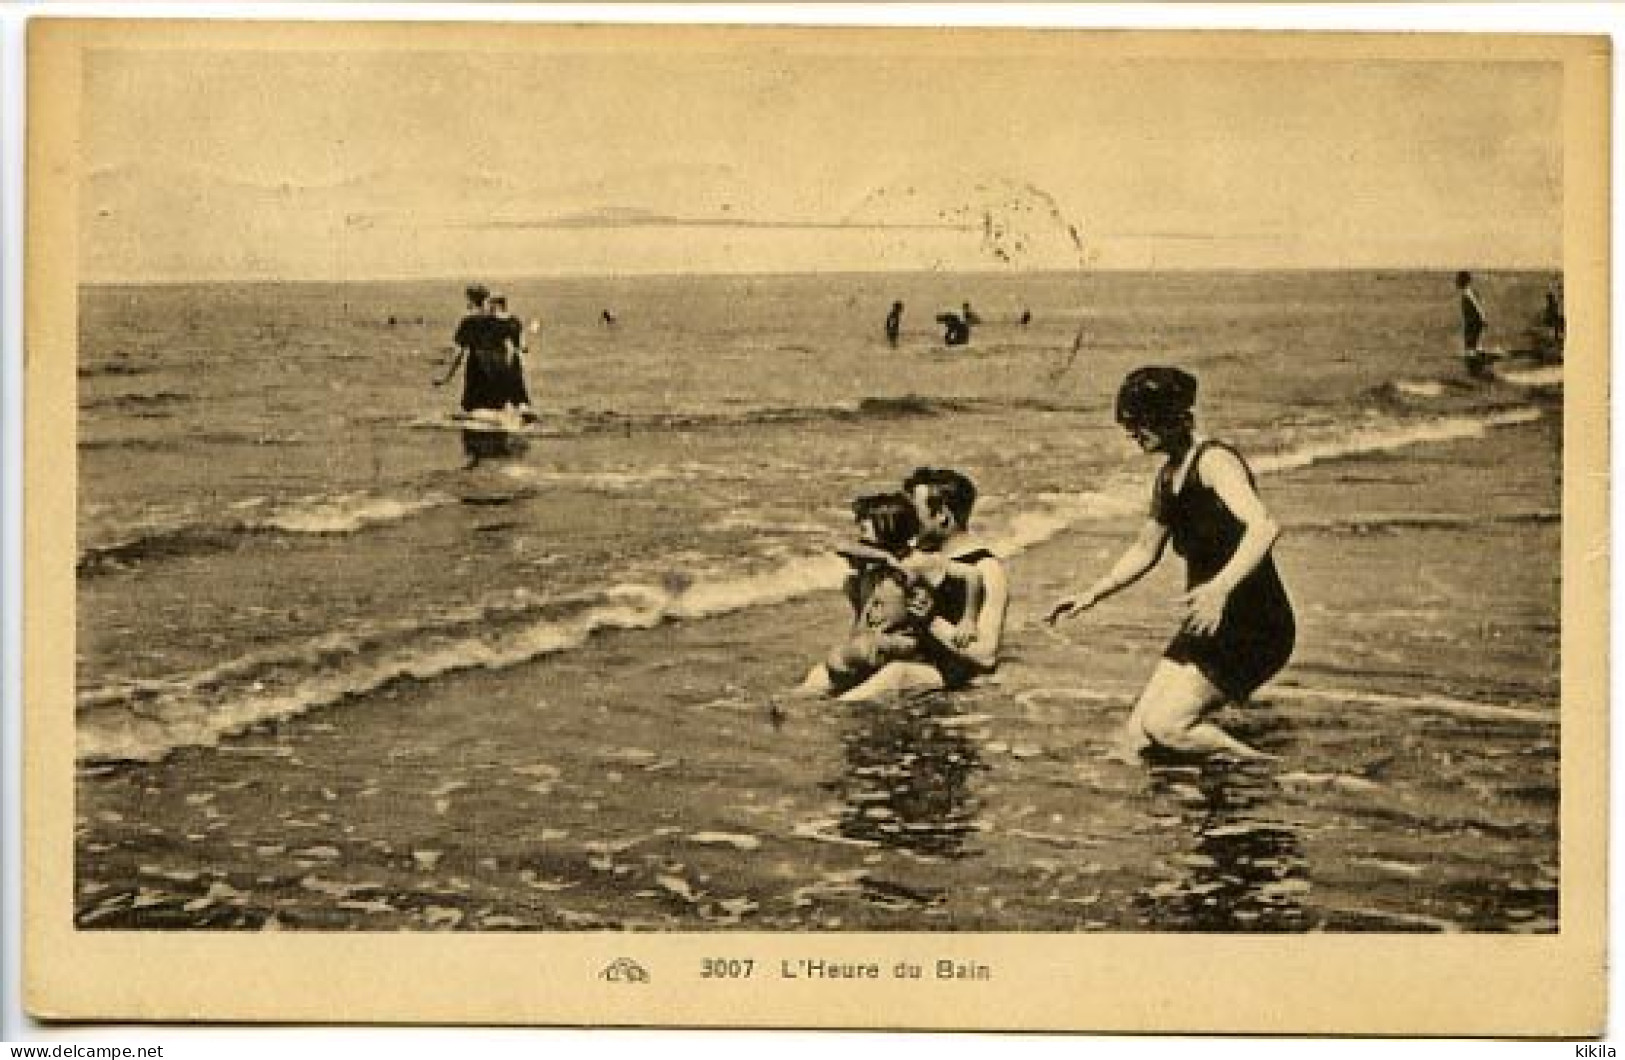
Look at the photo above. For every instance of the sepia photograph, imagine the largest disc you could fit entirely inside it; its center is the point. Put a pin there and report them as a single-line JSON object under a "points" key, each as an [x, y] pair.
{"points": [[893, 504]]}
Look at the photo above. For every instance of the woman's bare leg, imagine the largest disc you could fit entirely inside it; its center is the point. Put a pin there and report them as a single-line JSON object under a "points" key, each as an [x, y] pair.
{"points": [[1131, 741], [1173, 709]]}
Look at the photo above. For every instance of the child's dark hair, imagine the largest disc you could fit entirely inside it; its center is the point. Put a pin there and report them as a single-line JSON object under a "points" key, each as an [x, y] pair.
{"points": [[892, 517], [1463, 279], [948, 489]]}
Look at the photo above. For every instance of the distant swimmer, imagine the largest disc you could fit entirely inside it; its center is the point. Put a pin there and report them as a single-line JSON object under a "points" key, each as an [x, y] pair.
{"points": [[608, 318], [955, 332], [894, 323], [1026, 317], [1473, 322]]}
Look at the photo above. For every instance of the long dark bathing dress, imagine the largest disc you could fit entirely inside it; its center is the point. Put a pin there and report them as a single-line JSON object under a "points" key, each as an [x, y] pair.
{"points": [[1255, 638]]}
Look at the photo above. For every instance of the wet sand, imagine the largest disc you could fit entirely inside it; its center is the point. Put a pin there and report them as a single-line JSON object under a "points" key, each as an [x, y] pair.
{"points": [[643, 780]]}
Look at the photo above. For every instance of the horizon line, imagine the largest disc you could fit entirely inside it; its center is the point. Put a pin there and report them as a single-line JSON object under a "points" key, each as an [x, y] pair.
{"points": [[464, 278]]}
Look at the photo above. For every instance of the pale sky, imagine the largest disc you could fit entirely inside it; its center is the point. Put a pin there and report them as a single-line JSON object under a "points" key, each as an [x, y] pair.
{"points": [[536, 161]]}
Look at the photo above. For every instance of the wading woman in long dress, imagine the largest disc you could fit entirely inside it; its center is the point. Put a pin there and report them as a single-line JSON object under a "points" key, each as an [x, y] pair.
{"points": [[1238, 630]]}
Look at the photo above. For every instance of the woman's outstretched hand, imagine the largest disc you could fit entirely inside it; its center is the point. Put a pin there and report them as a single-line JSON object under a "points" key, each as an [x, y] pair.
{"points": [[1070, 606], [1204, 608]]}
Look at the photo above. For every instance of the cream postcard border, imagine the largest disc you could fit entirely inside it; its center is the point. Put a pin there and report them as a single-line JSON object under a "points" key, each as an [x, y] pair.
{"points": [[1540, 986]]}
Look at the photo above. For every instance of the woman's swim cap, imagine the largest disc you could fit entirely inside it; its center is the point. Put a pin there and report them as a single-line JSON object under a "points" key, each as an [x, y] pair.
{"points": [[1155, 394]]}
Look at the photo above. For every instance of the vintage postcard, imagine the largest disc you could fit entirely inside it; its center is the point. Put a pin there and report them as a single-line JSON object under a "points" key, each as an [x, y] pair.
{"points": [[760, 526]]}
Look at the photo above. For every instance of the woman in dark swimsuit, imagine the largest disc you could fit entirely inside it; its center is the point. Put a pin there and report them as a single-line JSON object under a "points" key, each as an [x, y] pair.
{"points": [[1239, 628]]}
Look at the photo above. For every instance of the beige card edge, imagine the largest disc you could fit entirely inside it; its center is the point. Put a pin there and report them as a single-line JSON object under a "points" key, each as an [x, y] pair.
{"points": [[1478, 985]]}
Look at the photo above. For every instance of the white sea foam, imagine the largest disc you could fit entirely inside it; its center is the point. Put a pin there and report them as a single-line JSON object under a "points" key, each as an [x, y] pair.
{"points": [[621, 480], [1552, 375], [794, 578], [1378, 439], [345, 513], [1425, 703], [172, 529], [1026, 530]]}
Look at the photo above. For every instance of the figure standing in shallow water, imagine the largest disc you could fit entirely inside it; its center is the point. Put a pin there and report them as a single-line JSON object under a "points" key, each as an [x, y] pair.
{"points": [[482, 341], [513, 389], [1473, 322], [492, 343], [1239, 628], [1554, 319], [894, 323]]}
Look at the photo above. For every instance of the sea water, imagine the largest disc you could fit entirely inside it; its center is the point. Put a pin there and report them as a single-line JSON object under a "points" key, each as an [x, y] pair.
{"points": [[275, 523]]}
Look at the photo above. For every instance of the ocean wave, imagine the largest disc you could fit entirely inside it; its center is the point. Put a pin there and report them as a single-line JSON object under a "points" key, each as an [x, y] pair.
{"points": [[1551, 375], [188, 441], [1380, 438], [571, 422], [1425, 521], [133, 445], [345, 514], [119, 367], [1462, 395], [1427, 388], [619, 480], [145, 720], [137, 404], [194, 533], [1527, 713]]}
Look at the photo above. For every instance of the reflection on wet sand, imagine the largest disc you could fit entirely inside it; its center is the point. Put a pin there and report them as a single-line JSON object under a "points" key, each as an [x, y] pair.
{"points": [[1239, 867], [907, 777]]}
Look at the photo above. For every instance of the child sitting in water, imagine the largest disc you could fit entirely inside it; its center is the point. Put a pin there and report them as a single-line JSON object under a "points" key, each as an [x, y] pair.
{"points": [[891, 590]]}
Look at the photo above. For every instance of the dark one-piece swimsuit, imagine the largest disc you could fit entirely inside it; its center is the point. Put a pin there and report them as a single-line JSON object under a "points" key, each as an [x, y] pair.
{"points": [[956, 671], [1256, 635]]}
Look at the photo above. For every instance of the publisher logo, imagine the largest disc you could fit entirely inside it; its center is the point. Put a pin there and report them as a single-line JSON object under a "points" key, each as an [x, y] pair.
{"points": [[624, 970]]}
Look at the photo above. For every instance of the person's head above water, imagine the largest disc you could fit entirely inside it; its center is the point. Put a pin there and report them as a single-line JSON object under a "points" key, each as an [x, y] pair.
{"points": [[887, 521], [1157, 400], [944, 499]]}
